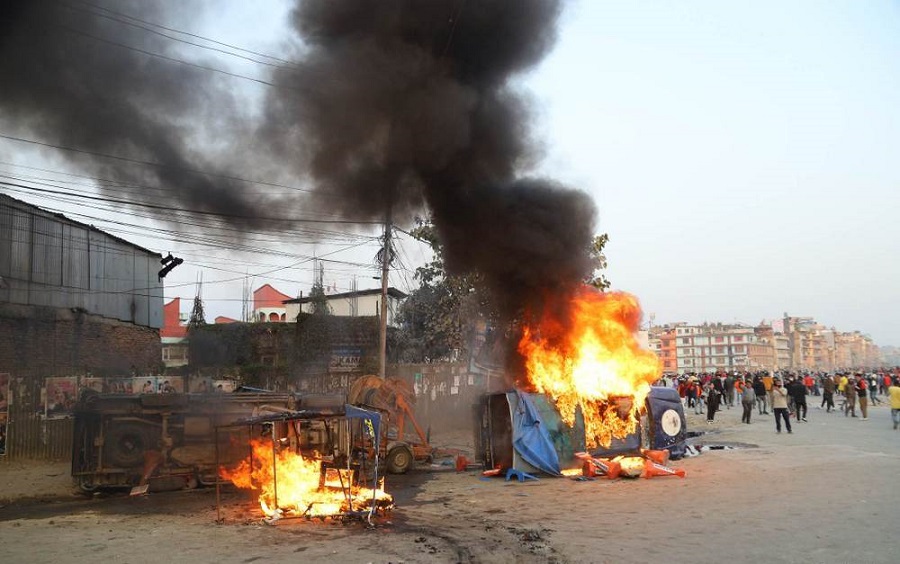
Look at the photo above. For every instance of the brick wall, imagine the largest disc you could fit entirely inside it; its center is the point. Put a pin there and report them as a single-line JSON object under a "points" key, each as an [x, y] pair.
{"points": [[40, 342]]}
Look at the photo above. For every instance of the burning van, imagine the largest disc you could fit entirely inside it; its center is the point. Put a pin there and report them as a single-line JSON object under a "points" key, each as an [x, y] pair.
{"points": [[525, 431], [585, 387]]}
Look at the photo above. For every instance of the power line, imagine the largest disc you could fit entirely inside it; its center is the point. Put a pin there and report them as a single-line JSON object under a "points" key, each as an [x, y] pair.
{"points": [[73, 196], [189, 34], [170, 59], [151, 163], [145, 26], [195, 212]]}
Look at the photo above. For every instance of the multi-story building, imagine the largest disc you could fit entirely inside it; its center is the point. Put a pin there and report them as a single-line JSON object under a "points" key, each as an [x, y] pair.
{"points": [[269, 305], [790, 343], [713, 348], [361, 303], [662, 342]]}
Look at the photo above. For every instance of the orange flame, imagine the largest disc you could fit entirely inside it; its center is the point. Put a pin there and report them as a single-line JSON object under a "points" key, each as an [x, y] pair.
{"points": [[295, 486], [593, 363]]}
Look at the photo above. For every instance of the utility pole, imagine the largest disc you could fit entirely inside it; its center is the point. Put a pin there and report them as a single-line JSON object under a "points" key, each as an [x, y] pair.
{"points": [[385, 269]]}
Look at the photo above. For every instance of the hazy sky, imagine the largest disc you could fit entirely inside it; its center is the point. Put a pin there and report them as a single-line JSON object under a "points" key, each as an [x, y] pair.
{"points": [[739, 153], [743, 155]]}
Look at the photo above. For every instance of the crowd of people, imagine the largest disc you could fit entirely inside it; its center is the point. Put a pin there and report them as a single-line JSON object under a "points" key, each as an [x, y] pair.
{"points": [[785, 393]]}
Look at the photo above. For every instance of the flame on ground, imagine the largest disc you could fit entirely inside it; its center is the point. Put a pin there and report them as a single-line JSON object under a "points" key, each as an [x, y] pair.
{"points": [[301, 489], [592, 362]]}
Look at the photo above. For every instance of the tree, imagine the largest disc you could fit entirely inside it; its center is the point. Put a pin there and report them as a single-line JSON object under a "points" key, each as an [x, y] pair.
{"points": [[439, 318], [597, 279], [318, 301]]}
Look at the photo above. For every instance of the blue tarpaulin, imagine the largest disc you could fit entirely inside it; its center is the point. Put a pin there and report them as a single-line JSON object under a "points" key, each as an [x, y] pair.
{"points": [[531, 438]]}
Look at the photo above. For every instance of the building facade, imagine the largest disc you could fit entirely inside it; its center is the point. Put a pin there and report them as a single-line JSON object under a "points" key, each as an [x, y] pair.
{"points": [[362, 303]]}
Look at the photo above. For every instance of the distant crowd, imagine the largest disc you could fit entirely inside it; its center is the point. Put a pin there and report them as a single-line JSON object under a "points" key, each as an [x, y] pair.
{"points": [[784, 394]]}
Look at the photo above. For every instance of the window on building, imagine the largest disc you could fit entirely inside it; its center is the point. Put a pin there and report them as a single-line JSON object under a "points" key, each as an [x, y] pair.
{"points": [[738, 338], [720, 360], [720, 350], [685, 341], [739, 349], [720, 339]]}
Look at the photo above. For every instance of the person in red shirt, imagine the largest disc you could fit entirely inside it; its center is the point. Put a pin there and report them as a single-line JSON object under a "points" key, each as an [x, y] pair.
{"points": [[862, 395]]}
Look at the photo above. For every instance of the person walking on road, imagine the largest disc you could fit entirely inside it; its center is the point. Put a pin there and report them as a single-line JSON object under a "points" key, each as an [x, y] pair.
{"points": [[798, 392], [873, 390], [780, 406], [862, 394], [748, 398], [759, 388], [828, 394], [713, 396], [729, 390], [894, 393], [767, 382], [850, 398]]}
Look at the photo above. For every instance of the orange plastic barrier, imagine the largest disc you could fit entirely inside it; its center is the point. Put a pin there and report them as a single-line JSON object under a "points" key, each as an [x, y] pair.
{"points": [[593, 466], [652, 469], [657, 456]]}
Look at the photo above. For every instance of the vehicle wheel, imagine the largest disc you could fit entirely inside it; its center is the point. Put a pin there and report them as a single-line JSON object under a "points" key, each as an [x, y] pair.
{"points": [[87, 485], [125, 443], [399, 460]]}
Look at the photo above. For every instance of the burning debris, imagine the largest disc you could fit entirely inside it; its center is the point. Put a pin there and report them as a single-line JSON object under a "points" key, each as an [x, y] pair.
{"points": [[291, 485], [314, 464]]}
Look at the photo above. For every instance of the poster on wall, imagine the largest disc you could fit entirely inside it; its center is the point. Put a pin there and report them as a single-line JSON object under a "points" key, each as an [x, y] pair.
{"points": [[200, 385], [121, 385], [223, 386], [4, 410], [60, 396], [344, 359], [96, 384], [145, 385], [171, 384]]}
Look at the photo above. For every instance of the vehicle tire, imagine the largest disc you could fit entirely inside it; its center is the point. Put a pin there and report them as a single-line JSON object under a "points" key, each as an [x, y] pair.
{"points": [[125, 444], [399, 460], [87, 485]]}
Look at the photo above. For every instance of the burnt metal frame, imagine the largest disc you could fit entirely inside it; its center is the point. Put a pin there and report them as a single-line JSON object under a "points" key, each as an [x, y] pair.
{"points": [[308, 415]]}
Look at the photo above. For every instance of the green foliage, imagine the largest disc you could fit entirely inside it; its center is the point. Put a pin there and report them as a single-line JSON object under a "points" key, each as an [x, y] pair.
{"points": [[318, 301], [439, 318], [597, 279]]}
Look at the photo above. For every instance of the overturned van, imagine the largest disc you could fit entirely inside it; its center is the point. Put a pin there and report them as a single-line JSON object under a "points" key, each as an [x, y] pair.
{"points": [[523, 430]]}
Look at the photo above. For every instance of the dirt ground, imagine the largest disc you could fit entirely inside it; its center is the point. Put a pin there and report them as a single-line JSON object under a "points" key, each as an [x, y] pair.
{"points": [[826, 493]]}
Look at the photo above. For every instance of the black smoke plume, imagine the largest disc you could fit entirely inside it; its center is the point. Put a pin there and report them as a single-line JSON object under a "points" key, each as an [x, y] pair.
{"points": [[392, 106], [402, 102]]}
